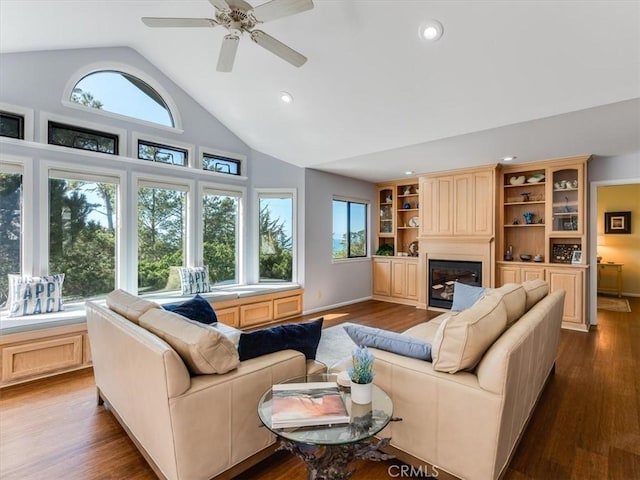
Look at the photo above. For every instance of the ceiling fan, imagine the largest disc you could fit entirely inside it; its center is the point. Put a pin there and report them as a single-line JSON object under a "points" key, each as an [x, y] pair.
{"points": [[239, 17]]}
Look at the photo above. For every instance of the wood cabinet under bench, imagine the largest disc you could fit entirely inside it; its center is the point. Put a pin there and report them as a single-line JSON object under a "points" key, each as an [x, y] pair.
{"points": [[42, 352]]}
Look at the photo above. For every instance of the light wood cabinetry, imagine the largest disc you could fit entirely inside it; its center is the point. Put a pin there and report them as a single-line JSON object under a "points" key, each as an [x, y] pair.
{"points": [[542, 214], [43, 352], [460, 204], [395, 279], [398, 217]]}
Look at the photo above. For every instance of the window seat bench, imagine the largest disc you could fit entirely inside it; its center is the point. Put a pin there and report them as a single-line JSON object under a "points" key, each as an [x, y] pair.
{"points": [[37, 346]]}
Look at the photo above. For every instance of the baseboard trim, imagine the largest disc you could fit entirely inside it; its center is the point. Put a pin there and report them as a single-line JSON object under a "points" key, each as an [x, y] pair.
{"points": [[335, 305]]}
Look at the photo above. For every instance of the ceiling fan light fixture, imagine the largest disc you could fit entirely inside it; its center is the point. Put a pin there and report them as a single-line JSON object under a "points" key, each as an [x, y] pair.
{"points": [[286, 97], [431, 30]]}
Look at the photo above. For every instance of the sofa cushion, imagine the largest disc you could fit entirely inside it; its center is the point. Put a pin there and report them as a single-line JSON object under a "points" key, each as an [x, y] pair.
{"points": [[128, 305], [303, 337], [463, 338], [197, 309], [203, 348], [514, 298], [394, 342], [535, 290], [464, 296]]}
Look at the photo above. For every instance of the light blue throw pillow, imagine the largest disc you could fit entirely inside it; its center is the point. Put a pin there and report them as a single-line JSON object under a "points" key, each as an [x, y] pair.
{"points": [[390, 341], [464, 296]]}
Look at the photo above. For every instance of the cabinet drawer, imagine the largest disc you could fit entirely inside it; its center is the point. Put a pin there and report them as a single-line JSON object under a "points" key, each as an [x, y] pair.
{"points": [[255, 313], [41, 357], [287, 307]]}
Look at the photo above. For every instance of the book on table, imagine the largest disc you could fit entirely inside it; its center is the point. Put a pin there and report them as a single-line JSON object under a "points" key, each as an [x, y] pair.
{"points": [[307, 404]]}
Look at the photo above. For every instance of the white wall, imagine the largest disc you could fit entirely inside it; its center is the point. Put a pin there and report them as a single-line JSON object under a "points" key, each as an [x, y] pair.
{"points": [[327, 282]]}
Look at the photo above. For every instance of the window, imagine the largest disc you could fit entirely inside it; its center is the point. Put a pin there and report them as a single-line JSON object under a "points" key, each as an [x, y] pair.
{"points": [[122, 93], [11, 125], [349, 229], [216, 163], [82, 138], [156, 152], [276, 236], [11, 210], [221, 239], [161, 233], [83, 222]]}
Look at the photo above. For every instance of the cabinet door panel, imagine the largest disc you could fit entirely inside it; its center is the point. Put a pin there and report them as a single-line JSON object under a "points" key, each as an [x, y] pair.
{"points": [[444, 208], [398, 279], [382, 277], [530, 273], [508, 275], [571, 282], [463, 205], [412, 281], [483, 196]]}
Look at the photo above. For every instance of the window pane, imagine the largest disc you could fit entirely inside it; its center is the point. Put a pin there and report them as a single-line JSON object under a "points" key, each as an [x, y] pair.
{"points": [[161, 153], [221, 164], [11, 125], [10, 225], [161, 226], [82, 236], [276, 238], [119, 92], [357, 229], [220, 237], [340, 228], [82, 138]]}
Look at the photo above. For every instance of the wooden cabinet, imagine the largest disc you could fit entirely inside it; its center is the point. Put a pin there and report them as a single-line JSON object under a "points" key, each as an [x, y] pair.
{"points": [[460, 204], [40, 353], [398, 217], [395, 279], [542, 214], [255, 310]]}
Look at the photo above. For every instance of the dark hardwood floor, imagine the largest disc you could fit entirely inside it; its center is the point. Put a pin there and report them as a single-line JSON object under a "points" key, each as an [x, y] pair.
{"points": [[587, 424]]}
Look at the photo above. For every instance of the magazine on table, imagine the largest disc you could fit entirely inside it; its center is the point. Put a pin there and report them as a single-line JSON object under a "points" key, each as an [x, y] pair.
{"points": [[307, 404]]}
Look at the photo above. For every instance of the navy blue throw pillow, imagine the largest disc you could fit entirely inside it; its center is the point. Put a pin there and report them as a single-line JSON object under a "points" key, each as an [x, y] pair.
{"points": [[303, 337], [197, 309]]}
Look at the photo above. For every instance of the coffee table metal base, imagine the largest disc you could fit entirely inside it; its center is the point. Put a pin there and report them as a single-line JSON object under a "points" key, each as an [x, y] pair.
{"points": [[331, 462]]}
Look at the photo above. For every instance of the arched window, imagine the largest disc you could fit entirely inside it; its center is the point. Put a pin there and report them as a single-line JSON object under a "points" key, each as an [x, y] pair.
{"points": [[124, 94]]}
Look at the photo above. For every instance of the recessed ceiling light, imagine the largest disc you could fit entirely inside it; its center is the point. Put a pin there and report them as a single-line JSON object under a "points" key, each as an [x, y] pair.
{"points": [[509, 159], [431, 30], [409, 172], [286, 97]]}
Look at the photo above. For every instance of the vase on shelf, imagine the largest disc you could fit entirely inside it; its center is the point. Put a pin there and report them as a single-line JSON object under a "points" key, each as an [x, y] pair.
{"points": [[528, 217]]}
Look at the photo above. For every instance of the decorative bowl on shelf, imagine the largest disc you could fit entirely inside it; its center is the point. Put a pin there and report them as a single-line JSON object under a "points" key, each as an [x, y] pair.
{"points": [[517, 180], [538, 177], [525, 258]]}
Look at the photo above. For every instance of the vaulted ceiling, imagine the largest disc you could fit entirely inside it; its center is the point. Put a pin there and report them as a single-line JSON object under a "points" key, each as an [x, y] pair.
{"points": [[528, 78]]}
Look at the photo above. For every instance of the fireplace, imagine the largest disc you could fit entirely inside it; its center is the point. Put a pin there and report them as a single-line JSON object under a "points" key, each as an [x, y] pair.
{"points": [[444, 273]]}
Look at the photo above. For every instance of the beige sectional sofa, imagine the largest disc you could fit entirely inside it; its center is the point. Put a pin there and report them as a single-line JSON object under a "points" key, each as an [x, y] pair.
{"points": [[188, 426], [465, 411]]}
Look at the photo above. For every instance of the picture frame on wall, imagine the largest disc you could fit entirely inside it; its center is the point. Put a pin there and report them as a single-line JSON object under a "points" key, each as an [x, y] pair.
{"points": [[617, 222], [576, 256]]}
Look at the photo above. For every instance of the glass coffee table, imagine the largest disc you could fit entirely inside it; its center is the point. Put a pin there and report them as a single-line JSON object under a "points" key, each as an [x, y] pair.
{"points": [[328, 449]]}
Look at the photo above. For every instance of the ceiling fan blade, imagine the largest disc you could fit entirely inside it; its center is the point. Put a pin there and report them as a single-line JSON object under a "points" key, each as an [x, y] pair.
{"points": [[280, 8], [278, 48], [228, 53], [221, 5], [178, 22]]}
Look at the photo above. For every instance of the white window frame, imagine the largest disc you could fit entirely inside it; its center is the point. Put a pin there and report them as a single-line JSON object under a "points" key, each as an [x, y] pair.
{"points": [[23, 166], [367, 204], [276, 193], [135, 72], [26, 114], [202, 151], [74, 172], [206, 188], [190, 224], [46, 117], [138, 136]]}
